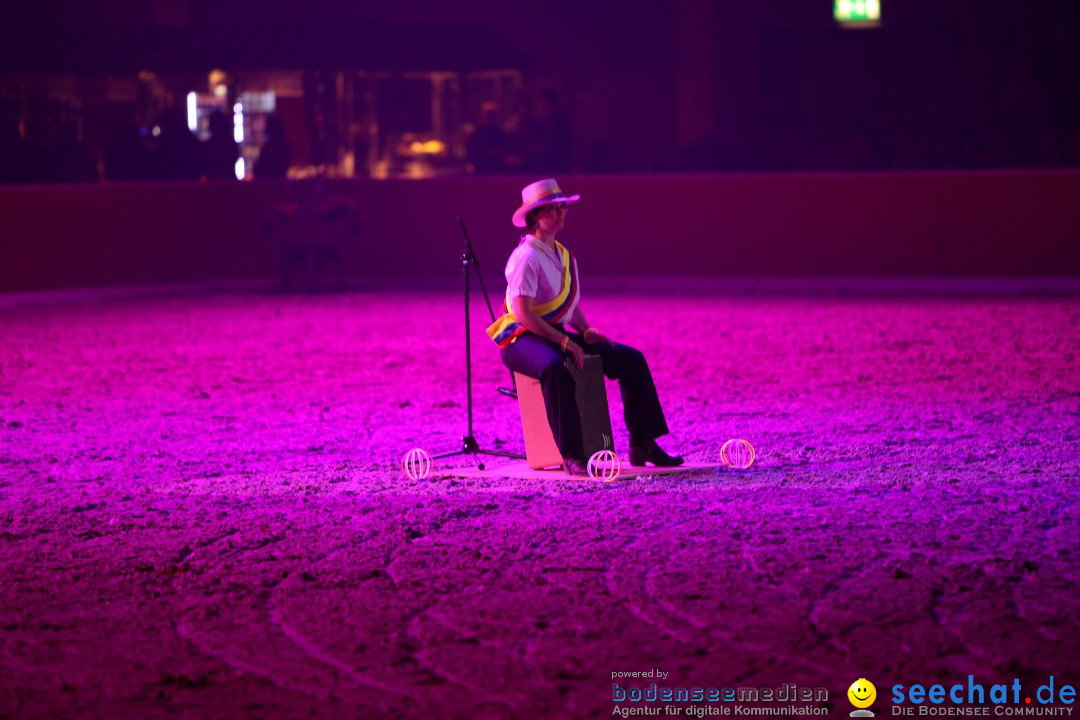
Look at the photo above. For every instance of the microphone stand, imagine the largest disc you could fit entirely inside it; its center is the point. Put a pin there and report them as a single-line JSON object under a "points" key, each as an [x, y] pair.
{"points": [[469, 444], [507, 391]]}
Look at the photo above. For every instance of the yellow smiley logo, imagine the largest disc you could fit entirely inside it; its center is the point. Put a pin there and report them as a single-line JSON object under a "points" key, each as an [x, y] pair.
{"points": [[862, 693]]}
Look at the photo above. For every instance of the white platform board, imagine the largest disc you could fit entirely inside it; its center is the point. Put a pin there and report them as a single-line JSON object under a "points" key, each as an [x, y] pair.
{"points": [[520, 469]]}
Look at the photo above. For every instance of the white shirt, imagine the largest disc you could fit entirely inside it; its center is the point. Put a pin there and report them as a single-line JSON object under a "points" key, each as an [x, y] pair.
{"points": [[535, 270]]}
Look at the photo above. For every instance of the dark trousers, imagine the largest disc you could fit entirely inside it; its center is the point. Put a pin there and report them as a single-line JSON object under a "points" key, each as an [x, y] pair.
{"points": [[539, 358]]}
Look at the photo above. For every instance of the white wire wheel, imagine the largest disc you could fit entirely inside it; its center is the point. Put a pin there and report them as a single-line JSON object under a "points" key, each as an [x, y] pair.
{"points": [[416, 464], [604, 465], [737, 453]]}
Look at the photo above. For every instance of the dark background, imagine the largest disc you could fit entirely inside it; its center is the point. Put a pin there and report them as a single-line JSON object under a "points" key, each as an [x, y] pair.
{"points": [[690, 85], [706, 138]]}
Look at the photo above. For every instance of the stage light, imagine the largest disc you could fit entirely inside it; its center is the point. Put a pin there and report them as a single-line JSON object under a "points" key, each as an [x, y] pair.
{"points": [[239, 169], [218, 81], [238, 122], [427, 147], [192, 111], [857, 13]]}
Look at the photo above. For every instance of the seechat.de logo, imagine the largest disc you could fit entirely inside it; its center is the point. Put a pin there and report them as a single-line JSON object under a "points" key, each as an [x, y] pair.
{"points": [[975, 699]]}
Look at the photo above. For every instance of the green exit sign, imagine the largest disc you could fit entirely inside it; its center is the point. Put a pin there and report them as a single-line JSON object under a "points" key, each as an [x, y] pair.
{"points": [[857, 13]]}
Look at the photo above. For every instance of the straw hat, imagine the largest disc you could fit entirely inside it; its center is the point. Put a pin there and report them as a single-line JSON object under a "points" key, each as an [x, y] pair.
{"points": [[538, 194]]}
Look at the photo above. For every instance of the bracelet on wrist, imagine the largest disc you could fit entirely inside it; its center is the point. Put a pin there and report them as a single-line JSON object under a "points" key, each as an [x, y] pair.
{"points": [[565, 342]]}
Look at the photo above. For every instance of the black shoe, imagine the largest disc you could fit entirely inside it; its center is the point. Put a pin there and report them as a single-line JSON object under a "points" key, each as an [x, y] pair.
{"points": [[653, 453], [574, 466]]}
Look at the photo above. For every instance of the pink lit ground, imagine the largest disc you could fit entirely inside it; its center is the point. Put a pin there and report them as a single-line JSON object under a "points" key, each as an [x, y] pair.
{"points": [[201, 515]]}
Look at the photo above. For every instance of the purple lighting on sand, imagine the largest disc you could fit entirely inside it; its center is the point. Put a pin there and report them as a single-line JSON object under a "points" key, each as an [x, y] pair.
{"points": [[208, 487], [240, 395]]}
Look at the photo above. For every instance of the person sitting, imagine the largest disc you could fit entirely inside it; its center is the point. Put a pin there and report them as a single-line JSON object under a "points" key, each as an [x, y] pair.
{"points": [[544, 324]]}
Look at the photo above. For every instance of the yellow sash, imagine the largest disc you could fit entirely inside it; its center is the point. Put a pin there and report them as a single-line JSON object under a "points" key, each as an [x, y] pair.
{"points": [[507, 329]]}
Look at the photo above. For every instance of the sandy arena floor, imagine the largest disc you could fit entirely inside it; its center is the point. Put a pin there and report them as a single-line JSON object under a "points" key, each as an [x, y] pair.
{"points": [[201, 514]]}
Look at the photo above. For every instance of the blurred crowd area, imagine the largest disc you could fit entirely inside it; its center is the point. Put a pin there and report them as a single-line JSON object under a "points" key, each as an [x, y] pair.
{"points": [[925, 100], [528, 142], [45, 146]]}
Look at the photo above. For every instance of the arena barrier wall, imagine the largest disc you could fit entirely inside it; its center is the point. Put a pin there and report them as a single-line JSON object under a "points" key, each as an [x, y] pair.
{"points": [[942, 224]]}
